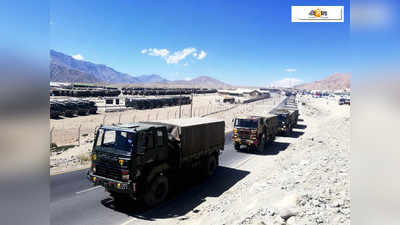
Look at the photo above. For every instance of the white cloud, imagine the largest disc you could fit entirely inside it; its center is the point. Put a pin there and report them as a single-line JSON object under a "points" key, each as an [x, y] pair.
{"points": [[287, 82], [176, 56], [78, 57], [186, 64], [290, 70], [155, 52], [202, 55], [188, 78], [179, 55]]}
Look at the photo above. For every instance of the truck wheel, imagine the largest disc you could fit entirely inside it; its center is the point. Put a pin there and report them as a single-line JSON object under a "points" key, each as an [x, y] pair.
{"points": [[210, 166], [118, 197], [157, 191]]}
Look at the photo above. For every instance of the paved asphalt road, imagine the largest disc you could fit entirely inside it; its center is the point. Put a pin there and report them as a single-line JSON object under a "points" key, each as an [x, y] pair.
{"points": [[74, 200]]}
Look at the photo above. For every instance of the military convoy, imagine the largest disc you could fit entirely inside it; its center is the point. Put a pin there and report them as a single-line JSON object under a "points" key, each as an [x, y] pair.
{"points": [[288, 115], [137, 160], [70, 108], [76, 90], [254, 131], [151, 103], [85, 92], [165, 91]]}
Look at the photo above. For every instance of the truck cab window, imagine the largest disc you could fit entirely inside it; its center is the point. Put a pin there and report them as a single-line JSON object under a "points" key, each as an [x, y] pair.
{"points": [[109, 138], [160, 138], [100, 137]]}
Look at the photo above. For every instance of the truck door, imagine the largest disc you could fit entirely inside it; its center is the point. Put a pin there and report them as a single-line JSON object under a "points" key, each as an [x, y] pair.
{"points": [[146, 146], [161, 143]]}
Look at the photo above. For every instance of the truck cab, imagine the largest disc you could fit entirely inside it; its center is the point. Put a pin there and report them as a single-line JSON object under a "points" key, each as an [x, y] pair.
{"points": [[121, 155], [248, 131], [285, 121]]}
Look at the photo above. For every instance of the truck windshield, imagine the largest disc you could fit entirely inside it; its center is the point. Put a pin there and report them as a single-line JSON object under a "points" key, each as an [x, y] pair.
{"points": [[281, 117], [119, 140], [246, 123]]}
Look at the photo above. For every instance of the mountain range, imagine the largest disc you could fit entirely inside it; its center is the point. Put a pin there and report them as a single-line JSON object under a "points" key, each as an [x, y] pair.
{"points": [[64, 68], [337, 81]]}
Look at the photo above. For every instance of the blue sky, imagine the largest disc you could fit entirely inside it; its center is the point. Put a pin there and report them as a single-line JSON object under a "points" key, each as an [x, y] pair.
{"points": [[243, 42]]}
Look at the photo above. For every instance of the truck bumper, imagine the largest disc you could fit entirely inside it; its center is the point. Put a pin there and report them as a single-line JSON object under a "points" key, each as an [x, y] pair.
{"points": [[246, 142], [283, 129], [113, 185]]}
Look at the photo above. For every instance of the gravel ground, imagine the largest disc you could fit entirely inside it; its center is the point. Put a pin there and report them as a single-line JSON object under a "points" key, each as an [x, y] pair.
{"points": [[302, 179]]}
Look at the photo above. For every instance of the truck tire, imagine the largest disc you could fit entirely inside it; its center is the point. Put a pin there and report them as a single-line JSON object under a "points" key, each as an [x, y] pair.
{"points": [[210, 166], [261, 145], [118, 197], [157, 191]]}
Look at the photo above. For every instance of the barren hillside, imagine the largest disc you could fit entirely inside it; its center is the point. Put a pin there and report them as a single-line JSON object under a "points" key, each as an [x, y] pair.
{"points": [[337, 81]]}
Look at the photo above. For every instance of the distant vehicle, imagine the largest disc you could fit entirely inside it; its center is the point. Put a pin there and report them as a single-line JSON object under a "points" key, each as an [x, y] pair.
{"points": [[136, 160], [342, 101], [56, 110], [347, 101], [252, 131], [71, 108], [92, 107], [229, 100]]}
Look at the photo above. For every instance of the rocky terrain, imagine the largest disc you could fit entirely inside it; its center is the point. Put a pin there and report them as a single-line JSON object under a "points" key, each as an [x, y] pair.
{"points": [[300, 180], [337, 81]]}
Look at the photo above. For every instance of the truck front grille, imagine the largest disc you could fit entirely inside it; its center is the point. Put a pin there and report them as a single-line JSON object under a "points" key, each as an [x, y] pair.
{"points": [[243, 134], [108, 168]]}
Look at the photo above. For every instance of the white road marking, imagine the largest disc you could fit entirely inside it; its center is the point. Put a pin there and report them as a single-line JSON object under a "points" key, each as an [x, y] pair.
{"points": [[242, 162], [127, 222], [89, 189]]}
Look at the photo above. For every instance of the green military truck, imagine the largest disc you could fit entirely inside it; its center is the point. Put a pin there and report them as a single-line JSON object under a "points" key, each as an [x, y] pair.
{"points": [[136, 160], [254, 130], [287, 120], [294, 113]]}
